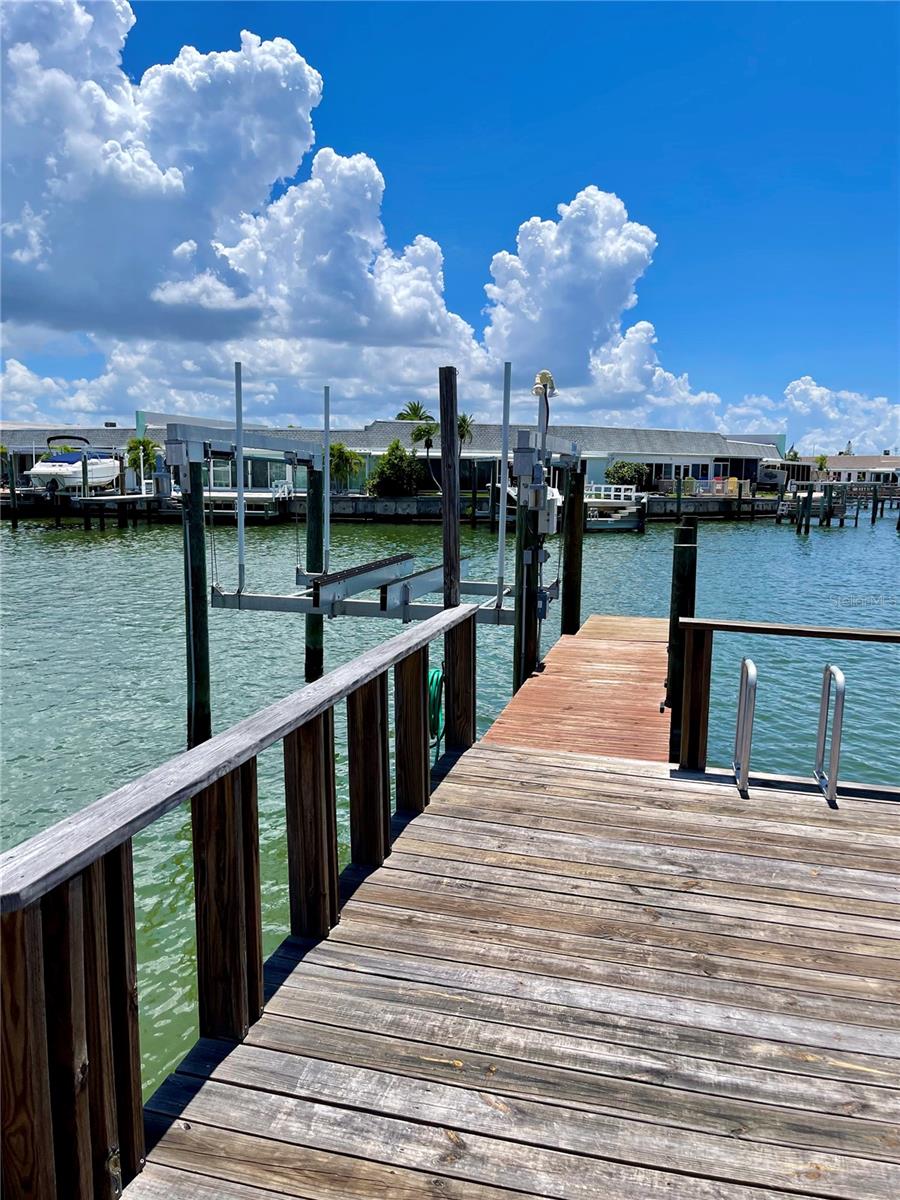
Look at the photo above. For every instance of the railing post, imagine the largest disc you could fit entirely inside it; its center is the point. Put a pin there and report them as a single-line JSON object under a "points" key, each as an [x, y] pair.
{"points": [[695, 703], [252, 888], [309, 830], [411, 731], [62, 920], [331, 809], [121, 943], [459, 672], [107, 1167], [221, 910], [27, 1128], [573, 545], [367, 755]]}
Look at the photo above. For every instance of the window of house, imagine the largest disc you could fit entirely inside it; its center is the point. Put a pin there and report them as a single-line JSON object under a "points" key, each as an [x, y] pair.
{"points": [[222, 472], [704, 470], [667, 471]]}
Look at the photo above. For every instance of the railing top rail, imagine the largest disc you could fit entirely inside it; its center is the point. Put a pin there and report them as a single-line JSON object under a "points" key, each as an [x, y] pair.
{"points": [[839, 633], [31, 869]]}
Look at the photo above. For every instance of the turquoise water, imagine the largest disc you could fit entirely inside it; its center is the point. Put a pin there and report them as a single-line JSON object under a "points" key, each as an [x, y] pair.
{"points": [[93, 678]]}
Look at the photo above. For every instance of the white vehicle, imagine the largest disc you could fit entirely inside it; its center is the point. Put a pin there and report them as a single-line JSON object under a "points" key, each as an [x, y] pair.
{"points": [[62, 471]]}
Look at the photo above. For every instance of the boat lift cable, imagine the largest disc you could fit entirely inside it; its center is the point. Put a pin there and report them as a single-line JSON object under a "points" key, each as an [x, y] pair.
{"points": [[299, 565], [211, 524]]}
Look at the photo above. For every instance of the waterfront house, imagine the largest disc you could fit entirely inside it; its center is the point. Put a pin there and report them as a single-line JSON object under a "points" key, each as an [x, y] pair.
{"points": [[668, 454]]}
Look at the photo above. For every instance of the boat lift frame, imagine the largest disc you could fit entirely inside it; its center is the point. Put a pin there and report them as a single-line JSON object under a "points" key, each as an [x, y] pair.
{"points": [[324, 593], [338, 593]]}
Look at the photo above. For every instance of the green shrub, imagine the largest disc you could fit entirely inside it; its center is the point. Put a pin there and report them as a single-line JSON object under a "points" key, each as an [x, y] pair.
{"points": [[398, 473], [624, 473]]}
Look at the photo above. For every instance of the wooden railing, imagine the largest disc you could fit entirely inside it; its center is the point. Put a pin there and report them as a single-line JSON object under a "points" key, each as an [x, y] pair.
{"points": [[72, 1114], [698, 646]]}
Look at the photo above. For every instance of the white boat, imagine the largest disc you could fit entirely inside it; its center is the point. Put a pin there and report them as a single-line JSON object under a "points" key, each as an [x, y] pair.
{"points": [[62, 470]]}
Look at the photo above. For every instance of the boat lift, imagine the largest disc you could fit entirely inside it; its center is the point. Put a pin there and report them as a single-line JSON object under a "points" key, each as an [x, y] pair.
{"points": [[320, 592], [398, 584]]}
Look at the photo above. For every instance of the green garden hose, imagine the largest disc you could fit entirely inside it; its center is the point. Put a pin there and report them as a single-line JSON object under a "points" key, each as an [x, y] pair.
{"points": [[435, 711]]}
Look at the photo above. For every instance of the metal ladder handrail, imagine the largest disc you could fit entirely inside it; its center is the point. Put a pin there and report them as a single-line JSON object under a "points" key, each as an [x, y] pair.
{"points": [[743, 730], [828, 782]]}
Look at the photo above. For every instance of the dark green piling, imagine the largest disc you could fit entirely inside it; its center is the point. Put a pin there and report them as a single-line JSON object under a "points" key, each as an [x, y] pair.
{"points": [[573, 547], [682, 603], [196, 611], [314, 663]]}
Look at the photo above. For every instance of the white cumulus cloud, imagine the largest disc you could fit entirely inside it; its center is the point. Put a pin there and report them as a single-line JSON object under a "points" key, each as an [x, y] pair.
{"points": [[138, 221]]}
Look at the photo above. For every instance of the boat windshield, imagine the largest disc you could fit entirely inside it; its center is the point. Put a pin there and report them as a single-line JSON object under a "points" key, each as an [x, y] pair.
{"points": [[75, 456]]}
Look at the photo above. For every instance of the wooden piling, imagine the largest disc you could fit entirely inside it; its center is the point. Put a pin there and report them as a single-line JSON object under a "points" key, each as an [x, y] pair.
{"points": [[314, 663], [573, 547], [473, 490], [13, 492], [449, 483], [694, 717], [199, 716], [525, 634], [874, 503], [682, 603]]}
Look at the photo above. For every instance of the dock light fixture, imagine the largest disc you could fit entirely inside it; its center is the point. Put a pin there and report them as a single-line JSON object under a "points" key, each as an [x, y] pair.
{"points": [[543, 384]]}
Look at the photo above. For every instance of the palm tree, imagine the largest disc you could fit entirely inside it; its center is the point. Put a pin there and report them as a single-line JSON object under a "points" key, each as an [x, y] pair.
{"points": [[344, 463], [414, 410], [465, 427], [425, 432]]}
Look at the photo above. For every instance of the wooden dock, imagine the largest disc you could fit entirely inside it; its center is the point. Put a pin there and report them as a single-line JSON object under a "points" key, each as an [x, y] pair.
{"points": [[600, 692], [574, 974]]}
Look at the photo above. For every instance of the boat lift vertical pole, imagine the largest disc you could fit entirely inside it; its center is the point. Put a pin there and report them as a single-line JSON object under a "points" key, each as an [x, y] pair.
{"points": [[504, 483], [326, 481], [239, 466]]}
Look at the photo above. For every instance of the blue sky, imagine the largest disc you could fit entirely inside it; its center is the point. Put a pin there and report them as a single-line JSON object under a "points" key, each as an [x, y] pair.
{"points": [[759, 143]]}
